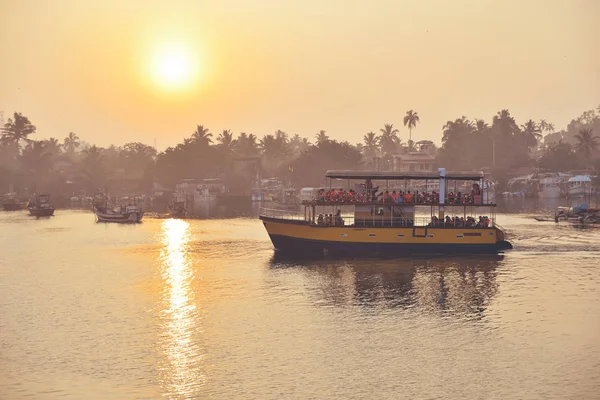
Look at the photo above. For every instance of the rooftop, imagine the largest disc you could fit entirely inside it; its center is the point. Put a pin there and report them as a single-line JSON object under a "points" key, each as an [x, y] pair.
{"points": [[349, 174]]}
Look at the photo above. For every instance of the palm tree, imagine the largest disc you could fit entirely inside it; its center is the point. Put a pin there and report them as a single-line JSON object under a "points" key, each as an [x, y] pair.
{"points": [[588, 116], [70, 143], [321, 138], [298, 145], [52, 146], [457, 130], [371, 144], [17, 130], [201, 135], [411, 119], [274, 150], [36, 161], [481, 126], [532, 133], [543, 125], [93, 167], [389, 139], [246, 144], [252, 143], [550, 128], [587, 143], [226, 142], [281, 135], [505, 123]]}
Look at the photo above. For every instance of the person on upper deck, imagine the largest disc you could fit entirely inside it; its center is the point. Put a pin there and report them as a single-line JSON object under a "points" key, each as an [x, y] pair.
{"points": [[386, 196], [408, 197], [400, 197]]}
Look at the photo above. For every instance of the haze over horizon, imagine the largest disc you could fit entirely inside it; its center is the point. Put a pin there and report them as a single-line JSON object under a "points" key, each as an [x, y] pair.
{"points": [[119, 72]]}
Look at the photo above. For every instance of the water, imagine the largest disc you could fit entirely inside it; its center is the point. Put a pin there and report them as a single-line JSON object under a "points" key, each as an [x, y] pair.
{"points": [[203, 309]]}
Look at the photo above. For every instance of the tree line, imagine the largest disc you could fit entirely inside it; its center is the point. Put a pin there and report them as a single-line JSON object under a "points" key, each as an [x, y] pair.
{"points": [[501, 146]]}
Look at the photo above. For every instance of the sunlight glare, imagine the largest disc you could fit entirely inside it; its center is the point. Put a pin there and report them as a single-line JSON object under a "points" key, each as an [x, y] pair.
{"points": [[174, 67], [181, 374]]}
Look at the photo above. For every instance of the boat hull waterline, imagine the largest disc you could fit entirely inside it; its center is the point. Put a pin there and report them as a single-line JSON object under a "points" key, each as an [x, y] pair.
{"points": [[41, 212], [294, 237], [12, 206]]}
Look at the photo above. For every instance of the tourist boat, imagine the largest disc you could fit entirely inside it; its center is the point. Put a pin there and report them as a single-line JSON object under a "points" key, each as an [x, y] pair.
{"points": [[41, 206], [12, 203], [430, 223], [579, 186], [120, 214]]}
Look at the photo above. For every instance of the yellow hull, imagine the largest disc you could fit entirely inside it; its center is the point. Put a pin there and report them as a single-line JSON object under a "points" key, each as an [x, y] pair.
{"points": [[299, 235]]}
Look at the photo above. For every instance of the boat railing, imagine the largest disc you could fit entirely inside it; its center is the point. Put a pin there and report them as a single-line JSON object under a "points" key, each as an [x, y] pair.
{"points": [[346, 202], [327, 220], [399, 222], [283, 214]]}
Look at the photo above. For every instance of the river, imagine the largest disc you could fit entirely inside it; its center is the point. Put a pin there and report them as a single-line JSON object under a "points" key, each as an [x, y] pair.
{"points": [[191, 309]]}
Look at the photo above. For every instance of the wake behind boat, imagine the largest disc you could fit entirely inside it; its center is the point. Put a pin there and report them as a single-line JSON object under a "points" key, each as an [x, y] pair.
{"points": [[120, 214]]}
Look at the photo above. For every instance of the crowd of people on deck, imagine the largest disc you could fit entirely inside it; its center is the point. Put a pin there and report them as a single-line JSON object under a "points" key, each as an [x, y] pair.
{"points": [[461, 222], [330, 219], [373, 195]]}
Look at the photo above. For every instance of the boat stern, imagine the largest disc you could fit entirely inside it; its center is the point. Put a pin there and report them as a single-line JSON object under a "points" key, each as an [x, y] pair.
{"points": [[501, 242]]}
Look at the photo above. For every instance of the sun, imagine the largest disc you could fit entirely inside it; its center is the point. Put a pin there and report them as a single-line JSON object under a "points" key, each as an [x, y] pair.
{"points": [[173, 67]]}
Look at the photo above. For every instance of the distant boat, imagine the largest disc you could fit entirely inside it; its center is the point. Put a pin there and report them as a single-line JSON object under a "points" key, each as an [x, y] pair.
{"points": [[120, 214], [12, 203], [41, 206], [177, 209], [579, 186]]}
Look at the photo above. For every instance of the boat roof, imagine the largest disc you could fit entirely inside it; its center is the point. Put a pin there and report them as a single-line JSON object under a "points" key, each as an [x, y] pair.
{"points": [[580, 178], [349, 174]]}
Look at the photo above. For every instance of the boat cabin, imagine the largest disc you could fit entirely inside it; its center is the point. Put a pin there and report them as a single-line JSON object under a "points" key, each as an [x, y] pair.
{"points": [[400, 199]]}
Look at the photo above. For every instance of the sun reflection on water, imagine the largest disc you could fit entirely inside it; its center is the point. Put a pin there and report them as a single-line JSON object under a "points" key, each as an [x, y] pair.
{"points": [[181, 375]]}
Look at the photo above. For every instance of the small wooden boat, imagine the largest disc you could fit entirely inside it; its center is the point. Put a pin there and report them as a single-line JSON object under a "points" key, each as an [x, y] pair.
{"points": [[120, 214], [41, 206], [11, 202]]}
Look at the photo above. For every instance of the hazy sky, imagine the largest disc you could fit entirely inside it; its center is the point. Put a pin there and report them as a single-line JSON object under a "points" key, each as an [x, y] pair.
{"points": [[115, 71]]}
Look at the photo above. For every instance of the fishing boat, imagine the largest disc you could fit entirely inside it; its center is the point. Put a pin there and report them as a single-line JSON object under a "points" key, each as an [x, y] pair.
{"points": [[41, 206], [119, 214], [11, 202], [366, 220], [579, 186]]}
